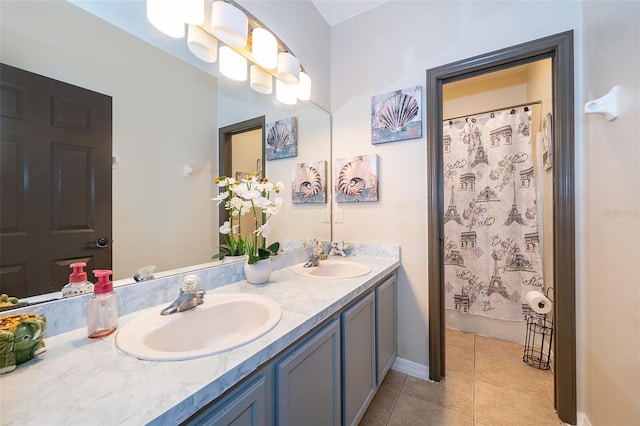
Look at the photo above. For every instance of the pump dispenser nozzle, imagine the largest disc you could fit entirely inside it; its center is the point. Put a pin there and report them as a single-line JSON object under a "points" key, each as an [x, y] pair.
{"points": [[78, 275], [102, 312], [78, 283], [104, 285]]}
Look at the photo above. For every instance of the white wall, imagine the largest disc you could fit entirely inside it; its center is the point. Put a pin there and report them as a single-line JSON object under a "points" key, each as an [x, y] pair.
{"points": [[389, 48], [609, 304], [164, 116]]}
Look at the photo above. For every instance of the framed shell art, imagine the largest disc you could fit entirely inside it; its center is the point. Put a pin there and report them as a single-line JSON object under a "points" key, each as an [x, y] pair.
{"points": [[281, 139], [357, 179], [396, 116], [309, 183]]}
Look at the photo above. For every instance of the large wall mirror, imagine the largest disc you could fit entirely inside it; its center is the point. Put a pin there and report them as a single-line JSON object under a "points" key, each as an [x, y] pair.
{"points": [[166, 116]]}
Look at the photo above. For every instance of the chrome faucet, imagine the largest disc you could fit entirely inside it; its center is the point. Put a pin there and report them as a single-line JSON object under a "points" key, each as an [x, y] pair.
{"points": [[314, 260], [317, 254], [190, 296]]}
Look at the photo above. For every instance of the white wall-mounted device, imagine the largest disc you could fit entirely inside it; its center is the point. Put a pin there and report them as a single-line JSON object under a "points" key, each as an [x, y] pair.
{"points": [[606, 105]]}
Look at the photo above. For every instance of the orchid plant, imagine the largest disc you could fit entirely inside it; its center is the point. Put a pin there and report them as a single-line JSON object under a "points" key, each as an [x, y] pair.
{"points": [[251, 195]]}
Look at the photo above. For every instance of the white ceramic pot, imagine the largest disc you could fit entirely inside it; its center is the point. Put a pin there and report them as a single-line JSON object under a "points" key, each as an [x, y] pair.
{"points": [[259, 272]]}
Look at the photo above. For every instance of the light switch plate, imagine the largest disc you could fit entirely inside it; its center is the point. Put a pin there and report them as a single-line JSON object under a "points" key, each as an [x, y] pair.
{"points": [[326, 216], [338, 216]]}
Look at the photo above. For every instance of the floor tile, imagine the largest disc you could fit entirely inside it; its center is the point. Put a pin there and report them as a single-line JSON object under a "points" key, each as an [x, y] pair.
{"points": [[459, 360], [459, 339], [454, 392], [497, 348], [394, 380], [380, 408], [510, 374], [487, 384], [497, 406], [547, 378], [415, 411]]}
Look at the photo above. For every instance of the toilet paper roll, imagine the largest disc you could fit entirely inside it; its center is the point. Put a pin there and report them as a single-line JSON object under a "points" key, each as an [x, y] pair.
{"points": [[538, 302]]}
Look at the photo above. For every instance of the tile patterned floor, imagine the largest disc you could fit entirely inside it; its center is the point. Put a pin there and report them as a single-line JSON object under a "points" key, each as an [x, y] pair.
{"points": [[487, 384]]}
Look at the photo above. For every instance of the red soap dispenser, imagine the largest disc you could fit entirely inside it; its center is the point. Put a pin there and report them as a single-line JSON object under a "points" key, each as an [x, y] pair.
{"points": [[78, 283], [102, 314]]}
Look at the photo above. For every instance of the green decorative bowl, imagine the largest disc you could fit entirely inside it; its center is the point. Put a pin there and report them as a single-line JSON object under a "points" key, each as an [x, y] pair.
{"points": [[20, 339]]}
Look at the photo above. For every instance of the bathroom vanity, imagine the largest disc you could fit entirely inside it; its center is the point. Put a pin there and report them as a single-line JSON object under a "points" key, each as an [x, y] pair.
{"points": [[321, 364]]}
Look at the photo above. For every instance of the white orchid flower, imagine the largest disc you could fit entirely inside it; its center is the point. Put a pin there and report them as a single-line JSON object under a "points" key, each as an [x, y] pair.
{"points": [[261, 202], [235, 203], [250, 194], [221, 197], [279, 186], [264, 230], [225, 228], [275, 207]]}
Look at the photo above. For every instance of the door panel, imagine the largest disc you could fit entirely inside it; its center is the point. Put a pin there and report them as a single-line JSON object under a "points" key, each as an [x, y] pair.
{"points": [[56, 181]]}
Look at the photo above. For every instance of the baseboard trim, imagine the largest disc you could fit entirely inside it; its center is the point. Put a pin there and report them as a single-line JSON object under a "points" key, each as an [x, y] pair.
{"points": [[583, 420], [411, 368]]}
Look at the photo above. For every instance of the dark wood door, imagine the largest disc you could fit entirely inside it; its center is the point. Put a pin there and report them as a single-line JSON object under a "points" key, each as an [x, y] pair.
{"points": [[55, 181]]}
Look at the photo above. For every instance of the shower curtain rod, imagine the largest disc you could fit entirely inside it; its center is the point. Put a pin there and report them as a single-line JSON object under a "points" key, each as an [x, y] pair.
{"points": [[495, 109]]}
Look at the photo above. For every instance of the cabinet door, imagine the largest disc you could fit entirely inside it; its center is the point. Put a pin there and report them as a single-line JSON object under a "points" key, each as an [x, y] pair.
{"points": [[245, 407], [308, 381], [359, 355], [386, 325]]}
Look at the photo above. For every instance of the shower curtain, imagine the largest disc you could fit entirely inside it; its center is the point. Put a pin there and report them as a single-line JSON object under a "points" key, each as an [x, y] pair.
{"points": [[491, 248]]}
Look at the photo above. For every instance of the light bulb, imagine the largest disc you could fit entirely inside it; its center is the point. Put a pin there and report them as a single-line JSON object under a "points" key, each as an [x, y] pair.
{"points": [[232, 64]]}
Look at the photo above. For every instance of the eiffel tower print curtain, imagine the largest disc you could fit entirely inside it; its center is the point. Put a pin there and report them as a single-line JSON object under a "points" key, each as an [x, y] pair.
{"points": [[491, 250]]}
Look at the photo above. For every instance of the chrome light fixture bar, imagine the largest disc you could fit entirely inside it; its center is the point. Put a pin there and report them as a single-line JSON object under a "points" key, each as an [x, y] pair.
{"points": [[225, 23]]}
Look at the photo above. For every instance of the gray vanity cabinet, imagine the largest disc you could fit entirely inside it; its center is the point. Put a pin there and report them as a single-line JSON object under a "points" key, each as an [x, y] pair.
{"points": [[359, 357], [328, 377], [308, 381], [386, 325], [248, 405]]}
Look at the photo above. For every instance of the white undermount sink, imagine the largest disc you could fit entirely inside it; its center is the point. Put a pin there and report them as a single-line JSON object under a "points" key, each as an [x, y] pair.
{"points": [[222, 322], [333, 268]]}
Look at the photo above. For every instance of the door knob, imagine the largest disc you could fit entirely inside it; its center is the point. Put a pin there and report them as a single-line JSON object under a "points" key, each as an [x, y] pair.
{"points": [[101, 242]]}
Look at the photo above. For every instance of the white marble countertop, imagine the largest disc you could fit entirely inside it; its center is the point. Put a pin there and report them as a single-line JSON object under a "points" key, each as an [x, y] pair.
{"points": [[81, 381]]}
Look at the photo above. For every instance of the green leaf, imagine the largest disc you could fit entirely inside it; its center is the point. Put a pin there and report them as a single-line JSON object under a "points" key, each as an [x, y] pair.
{"points": [[274, 248]]}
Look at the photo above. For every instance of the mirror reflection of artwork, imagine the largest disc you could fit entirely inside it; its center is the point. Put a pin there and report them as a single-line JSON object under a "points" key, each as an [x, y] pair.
{"points": [[309, 183], [547, 142], [281, 138], [357, 178], [396, 116]]}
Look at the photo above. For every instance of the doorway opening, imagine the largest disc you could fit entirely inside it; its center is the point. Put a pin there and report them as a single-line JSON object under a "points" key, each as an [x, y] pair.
{"points": [[559, 49], [241, 152]]}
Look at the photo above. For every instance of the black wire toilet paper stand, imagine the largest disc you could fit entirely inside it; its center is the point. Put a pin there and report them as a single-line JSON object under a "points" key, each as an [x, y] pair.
{"points": [[537, 348]]}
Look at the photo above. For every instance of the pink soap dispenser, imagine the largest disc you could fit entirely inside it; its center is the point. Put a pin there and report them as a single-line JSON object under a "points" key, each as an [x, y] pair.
{"points": [[78, 283], [102, 313]]}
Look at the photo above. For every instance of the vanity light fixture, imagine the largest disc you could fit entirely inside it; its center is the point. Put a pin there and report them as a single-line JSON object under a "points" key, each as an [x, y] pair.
{"points": [[264, 48], [232, 64], [165, 16], [260, 80], [303, 89], [288, 68], [227, 22], [201, 44], [285, 93], [192, 11]]}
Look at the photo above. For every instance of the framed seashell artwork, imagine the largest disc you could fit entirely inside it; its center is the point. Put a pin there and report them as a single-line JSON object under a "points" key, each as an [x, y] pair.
{"points": [[309, 183], [357, 179], [281, 139], [396, 116]]}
